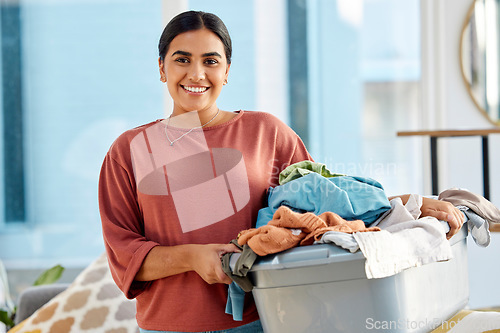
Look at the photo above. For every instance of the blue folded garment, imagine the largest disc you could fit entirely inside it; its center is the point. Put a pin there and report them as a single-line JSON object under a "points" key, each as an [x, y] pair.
{"points": [[353, 198], [235, 301]]}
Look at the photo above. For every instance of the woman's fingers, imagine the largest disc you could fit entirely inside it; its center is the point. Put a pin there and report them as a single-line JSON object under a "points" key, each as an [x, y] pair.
{"points": [[228, 248], [208, 264], [445, 211]]}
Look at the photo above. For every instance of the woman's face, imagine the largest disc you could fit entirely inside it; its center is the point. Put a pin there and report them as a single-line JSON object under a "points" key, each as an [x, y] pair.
{"points": [[195, 68]]}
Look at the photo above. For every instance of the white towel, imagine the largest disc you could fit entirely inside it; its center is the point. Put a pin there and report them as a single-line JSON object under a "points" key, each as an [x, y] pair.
{"points": [[405, 240]]}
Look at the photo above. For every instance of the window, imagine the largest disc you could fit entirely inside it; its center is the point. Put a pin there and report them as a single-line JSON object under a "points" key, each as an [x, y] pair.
{"points": [[12, 110], [364, 72], [75, 75]]}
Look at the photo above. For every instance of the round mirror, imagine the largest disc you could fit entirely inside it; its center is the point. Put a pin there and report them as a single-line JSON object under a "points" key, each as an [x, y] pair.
{"points": [[479, 57]]}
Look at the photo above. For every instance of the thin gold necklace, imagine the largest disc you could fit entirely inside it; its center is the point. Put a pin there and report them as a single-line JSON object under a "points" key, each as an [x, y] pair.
{"points": [[192, 129]]}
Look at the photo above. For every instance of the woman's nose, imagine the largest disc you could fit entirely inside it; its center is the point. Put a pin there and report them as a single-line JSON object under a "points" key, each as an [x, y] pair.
{"points": [[197, 73]]}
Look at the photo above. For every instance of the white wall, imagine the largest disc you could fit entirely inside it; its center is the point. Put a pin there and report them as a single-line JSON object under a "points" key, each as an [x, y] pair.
{"points": [[447, 106]]}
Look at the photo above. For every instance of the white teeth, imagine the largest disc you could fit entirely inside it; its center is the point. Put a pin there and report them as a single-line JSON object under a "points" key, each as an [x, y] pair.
{"points": [[195, 89]]}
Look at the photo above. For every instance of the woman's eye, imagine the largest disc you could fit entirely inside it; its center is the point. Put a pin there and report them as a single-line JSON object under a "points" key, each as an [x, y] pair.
{"points": [[211, 61], [182, 60]]}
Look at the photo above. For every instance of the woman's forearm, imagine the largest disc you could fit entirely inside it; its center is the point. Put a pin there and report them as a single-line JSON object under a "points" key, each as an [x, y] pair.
{"points": [[204, 259], [163, 261]]}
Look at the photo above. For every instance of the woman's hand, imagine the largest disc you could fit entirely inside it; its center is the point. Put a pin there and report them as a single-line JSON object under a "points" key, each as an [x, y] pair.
{"points": [[445, 211], [207, 262]]}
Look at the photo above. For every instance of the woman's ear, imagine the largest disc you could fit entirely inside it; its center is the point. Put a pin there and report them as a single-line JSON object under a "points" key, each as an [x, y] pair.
{"points": [[163, 76], [227, 73]]}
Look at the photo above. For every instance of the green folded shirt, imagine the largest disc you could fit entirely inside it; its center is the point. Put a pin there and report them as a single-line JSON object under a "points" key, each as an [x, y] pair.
{"points": [[300, 169]]}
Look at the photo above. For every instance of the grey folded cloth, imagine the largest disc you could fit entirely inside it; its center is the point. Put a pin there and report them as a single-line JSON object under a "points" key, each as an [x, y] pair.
{"points": [[242, 265], [475, 202], [478, 227]]}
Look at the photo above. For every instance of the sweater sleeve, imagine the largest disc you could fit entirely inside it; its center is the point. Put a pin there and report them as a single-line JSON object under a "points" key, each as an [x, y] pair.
{"points": [[288, 147], [122, 226], [300, 152]]}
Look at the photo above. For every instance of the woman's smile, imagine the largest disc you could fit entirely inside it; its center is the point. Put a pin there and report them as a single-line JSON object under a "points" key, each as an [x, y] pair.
{"points": [[195, 89]]}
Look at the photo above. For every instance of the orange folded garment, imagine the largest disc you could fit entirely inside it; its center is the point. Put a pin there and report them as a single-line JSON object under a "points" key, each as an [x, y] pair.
{"points": [[345, 226], [269, 239], [288, 229]]}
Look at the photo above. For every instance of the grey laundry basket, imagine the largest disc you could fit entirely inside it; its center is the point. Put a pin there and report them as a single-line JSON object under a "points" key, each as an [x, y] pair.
{"points": [[323, 288]]}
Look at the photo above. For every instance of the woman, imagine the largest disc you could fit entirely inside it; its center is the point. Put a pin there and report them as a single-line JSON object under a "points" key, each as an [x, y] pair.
{"points": [[174, 192]]}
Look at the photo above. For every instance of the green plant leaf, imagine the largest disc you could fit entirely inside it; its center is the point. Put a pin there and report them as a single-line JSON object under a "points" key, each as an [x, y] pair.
{"points": [[51, 275], [5, 318]]}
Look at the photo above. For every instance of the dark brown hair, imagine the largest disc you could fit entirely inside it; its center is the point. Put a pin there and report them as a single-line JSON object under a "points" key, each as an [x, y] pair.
{"points": [[194, 20]]}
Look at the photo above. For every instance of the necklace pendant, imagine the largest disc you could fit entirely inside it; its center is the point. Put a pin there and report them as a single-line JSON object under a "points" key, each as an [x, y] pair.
{"points": [[192, 129]]}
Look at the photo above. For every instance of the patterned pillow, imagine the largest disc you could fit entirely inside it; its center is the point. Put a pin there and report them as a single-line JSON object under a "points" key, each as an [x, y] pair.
{"points": [[92, 303]]}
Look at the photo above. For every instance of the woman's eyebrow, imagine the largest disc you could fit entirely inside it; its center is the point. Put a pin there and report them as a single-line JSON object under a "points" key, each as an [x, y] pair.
{"points": [[184, 53], [211, 54], [189, 54]]}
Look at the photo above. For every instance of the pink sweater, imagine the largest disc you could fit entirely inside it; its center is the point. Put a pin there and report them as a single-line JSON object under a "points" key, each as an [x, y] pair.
{"points": [[204, 189]]}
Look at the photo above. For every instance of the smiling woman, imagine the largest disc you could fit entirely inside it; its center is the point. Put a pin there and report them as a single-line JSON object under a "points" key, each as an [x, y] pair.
{"points": [[173, 193]]}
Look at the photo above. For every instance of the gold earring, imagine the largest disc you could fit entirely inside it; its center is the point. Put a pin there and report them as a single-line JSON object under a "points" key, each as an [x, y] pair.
{"points": [[225, 82]]}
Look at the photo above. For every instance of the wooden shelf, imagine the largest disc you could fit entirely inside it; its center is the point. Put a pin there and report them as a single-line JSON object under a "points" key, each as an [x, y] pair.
{"points": [[494, 227], [451, 133]]}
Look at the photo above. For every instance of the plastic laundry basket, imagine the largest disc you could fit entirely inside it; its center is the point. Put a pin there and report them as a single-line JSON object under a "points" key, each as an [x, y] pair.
{"points": [[323, 288]]}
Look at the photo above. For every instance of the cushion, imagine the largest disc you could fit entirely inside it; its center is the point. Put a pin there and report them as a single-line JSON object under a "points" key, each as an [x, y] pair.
{"points": [[92, 303], [34, 297]]}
